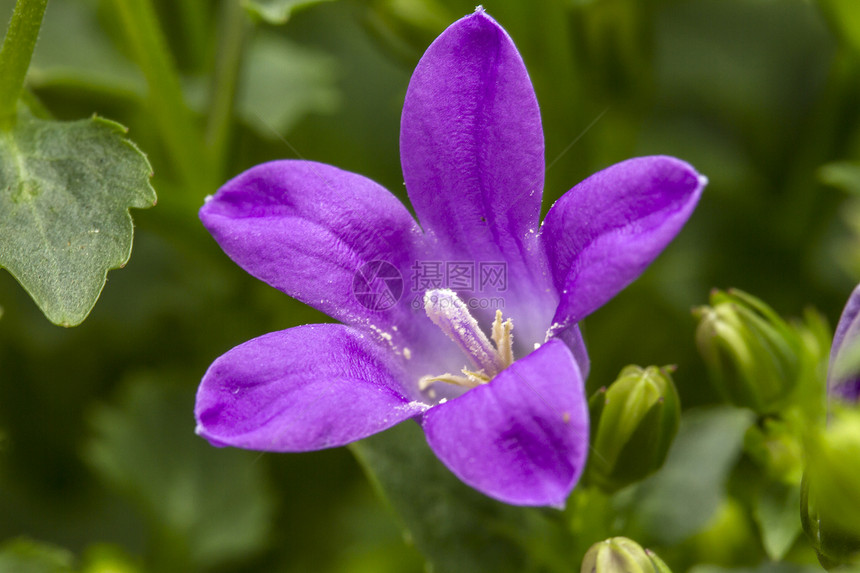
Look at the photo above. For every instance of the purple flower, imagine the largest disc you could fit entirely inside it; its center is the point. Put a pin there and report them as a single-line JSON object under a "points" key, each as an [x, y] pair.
{"points": [[843, 375], [506, 412]]}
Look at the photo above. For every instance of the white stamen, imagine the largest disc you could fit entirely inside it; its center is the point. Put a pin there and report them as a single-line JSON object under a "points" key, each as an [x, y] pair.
{"points": [[468, 381], [504, 338], [449, 313]]}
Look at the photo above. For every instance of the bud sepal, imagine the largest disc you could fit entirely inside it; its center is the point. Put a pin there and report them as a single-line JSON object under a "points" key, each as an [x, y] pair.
{"points": [[634, 421], [621, 555]]}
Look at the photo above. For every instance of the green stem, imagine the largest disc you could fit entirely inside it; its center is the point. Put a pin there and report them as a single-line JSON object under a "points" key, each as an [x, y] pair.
{"points": [[799, 215], [16, 53], [171, 114], [233, 27], [195, 22]]}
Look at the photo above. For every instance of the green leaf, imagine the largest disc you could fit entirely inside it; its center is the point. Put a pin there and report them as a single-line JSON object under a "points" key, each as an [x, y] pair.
{"points": [[108, 558], [75, 51], [681, 498], [778, 517], [455, 527], [844, 17], [763, 568], [65, 192], [277, 12], [208, 504], [844, 175], [282, 82], [23, 555]]}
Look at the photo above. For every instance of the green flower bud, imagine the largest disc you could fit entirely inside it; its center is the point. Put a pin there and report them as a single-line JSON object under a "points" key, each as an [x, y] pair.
{"points": [[633, 423], [753, 355], [621, 555], [830, 498]]}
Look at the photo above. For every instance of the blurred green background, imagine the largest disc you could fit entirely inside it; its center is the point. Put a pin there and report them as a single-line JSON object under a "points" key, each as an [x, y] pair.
{"points": [[97, 450]]}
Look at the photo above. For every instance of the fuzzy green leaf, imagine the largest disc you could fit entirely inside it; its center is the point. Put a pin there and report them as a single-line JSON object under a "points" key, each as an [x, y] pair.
{"points": [[65, 192]]}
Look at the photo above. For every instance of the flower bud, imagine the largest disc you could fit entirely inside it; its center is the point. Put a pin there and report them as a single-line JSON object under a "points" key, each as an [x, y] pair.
{"points": [[843, 376], [830, 498], [634, 422], [621, 555], [753, 355]]}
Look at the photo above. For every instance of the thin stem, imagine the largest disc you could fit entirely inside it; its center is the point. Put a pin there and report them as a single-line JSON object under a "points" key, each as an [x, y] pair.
{"points": [[16, 53], [194, 17], [171, 114], [233, 27]]}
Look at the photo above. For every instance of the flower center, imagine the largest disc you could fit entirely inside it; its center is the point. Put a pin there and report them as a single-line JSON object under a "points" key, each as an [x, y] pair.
{"points": [[451, 314]]}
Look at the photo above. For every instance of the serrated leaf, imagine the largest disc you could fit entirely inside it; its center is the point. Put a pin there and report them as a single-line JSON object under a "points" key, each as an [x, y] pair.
{"points": [[211, 502], [65, 192], [277, 12], [23, 555], [456, 528]]}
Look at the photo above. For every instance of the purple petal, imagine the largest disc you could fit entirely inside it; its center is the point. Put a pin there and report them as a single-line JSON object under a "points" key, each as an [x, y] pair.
{"points": [[522, 438], [306, 388], [471, 143], [572, 337], [843, 380], [307, 228], [604, 232]]}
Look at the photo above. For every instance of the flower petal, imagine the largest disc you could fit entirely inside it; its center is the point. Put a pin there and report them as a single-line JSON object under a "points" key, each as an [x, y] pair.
{"points": [[843, 377], [305, 388], [572, 337], [471, 143], [604, 232], [522, 438], [307, 228]]}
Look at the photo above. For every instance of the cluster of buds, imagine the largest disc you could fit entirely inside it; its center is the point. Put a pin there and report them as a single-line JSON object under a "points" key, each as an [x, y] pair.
{"points": [[633, 423], [755, 358], [621, 555], [830, 495]]}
